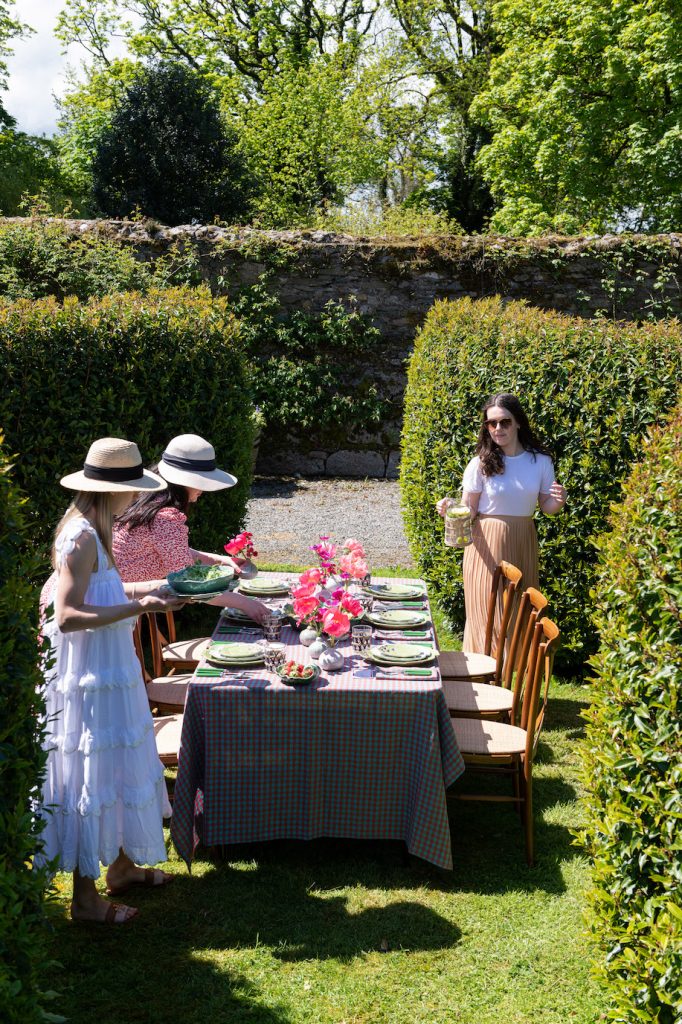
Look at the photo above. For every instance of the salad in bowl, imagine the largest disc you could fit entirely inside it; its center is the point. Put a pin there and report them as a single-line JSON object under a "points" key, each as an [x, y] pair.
{"points": [[201, 579]]}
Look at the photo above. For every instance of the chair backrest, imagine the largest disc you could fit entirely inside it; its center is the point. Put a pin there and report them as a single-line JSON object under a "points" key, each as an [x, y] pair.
{"points": [[540, 664], [156, 643], [531, 608], [139, 649], [504, 585]]}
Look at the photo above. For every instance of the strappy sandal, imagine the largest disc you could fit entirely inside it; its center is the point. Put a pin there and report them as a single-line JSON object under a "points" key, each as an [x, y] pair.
{"points": [[148, 882]]}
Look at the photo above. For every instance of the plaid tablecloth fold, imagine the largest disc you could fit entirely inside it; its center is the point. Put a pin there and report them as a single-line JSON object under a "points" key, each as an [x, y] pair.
{"points": [[347, 757]]}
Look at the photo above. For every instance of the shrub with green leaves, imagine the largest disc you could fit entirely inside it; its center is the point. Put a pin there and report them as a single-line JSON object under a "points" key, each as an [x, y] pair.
{"points": [[591, 388], [41, 257], [22, 760], [632, 753], [140, 367]]}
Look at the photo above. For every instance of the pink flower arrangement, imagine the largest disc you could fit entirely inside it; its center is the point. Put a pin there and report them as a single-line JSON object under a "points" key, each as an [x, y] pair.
{"points": [[326, 553], [242, 545], [328, 613]]}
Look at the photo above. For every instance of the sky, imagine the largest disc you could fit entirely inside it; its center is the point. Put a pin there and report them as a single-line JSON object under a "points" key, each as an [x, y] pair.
{"points": [[36, 69]]}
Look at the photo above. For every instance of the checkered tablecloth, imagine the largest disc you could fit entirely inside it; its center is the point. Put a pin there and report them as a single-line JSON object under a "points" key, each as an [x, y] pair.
{"points": [[349, 756]]}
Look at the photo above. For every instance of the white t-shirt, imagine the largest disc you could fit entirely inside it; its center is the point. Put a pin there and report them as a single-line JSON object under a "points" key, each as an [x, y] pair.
{"points": [[515, 491]]}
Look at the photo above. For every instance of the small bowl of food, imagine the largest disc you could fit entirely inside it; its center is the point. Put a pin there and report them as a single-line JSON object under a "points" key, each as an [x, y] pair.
{"points": [[295, 674]]}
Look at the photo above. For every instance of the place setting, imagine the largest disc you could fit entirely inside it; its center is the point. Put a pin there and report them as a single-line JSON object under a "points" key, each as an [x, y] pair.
{"points": [[392, 660]]}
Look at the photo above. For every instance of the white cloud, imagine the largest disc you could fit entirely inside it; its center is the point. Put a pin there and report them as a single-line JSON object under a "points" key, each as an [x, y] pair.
{"points": [[36, 69]]}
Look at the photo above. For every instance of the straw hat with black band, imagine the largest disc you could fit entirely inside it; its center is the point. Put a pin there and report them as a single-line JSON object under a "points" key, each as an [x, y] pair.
{"points": [[189, 460], [115, 466]]}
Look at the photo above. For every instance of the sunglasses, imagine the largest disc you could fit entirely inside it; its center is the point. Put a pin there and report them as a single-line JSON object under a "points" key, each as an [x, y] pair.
{"points": [[503, 424]]}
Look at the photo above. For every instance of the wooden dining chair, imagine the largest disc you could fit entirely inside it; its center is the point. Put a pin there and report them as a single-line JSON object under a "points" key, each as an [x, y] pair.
{"points": [[510, 749], [487, 667], [485, 700], [166, 693], [172, 655]]}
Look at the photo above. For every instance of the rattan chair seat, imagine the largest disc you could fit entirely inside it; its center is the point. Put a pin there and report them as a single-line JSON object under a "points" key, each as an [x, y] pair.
{"points": [[475, 736], [476, 697]]}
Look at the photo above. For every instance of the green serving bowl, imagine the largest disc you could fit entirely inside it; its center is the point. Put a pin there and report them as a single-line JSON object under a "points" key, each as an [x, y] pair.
{"points": [[211, 584]]}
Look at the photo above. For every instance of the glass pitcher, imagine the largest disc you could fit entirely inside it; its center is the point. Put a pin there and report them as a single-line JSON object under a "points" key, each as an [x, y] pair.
{"points": [[457, 524]]}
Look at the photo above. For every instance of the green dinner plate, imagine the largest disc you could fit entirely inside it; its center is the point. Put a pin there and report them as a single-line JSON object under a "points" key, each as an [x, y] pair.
{"points": [[394, 591], [226, 652], [399, 618], [376, 659], [263, 588], [404, 653]]}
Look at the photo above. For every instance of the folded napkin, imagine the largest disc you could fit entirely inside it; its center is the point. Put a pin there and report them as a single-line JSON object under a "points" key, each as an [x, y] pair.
{"points": [[203, 672], [399, 672]]}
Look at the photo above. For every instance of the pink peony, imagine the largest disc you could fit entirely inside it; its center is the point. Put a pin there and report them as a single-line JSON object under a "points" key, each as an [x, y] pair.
{"points": [[311, 577], [307, 590], [354, 545], [358, 568], [351, 605], [335, 622], [304, 606]]}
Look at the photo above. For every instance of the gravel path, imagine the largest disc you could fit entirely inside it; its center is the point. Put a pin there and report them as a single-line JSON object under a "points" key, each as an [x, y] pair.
{"points": [[287, 515]]}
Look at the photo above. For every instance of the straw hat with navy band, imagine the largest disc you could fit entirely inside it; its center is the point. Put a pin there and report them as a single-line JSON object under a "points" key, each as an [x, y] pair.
{"points": [[113, 465], [189, 460]]}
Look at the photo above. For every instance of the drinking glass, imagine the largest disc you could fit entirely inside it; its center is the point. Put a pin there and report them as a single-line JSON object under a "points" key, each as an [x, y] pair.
{"points": [[274, 656], [361, 638], [272, 625]]}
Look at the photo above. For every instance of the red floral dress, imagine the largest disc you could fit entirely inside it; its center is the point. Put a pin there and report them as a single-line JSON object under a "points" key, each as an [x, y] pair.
{"points": [[151, 552]]}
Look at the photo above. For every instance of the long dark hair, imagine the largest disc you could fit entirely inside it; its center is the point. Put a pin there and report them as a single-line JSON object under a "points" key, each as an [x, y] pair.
{"points": [[490, 454], [143, 511]]}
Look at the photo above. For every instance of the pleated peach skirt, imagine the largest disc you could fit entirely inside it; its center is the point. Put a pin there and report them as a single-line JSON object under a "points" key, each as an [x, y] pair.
{"points": [[495, 539]]}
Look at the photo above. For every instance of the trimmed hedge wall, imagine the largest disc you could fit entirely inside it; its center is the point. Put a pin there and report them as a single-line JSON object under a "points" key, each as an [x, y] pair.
{"points": [[591, 389], [140, 367], [632, 754], [22, 953]]}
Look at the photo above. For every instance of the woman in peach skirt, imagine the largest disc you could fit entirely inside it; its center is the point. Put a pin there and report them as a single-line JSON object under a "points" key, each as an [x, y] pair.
{"points": [[511, 474]]}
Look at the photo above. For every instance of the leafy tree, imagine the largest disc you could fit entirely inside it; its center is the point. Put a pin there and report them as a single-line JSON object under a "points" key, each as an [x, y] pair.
{"points": [[168, 152], [584, 103], [309, 141], [242, 42], [452, 42]]}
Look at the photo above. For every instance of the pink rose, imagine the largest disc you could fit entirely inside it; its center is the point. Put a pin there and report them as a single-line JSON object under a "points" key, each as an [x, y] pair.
{"points": [[335, 623]]}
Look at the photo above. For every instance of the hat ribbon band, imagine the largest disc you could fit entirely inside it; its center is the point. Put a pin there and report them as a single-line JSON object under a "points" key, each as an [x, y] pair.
{"points": [[200, 465], [113, 475]]}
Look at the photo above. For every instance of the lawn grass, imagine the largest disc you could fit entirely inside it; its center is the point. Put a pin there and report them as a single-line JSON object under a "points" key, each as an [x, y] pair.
{"points": [[357, 933]]}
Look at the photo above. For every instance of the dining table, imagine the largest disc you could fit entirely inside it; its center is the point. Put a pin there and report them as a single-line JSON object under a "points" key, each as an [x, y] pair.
{"points": [[364, 752]]}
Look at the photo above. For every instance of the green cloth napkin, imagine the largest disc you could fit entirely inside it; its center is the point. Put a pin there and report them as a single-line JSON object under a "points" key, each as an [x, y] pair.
{"points": [[398, 670], [208, 672]]}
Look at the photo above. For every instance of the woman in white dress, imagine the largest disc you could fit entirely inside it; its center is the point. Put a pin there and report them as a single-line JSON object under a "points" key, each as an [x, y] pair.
{"points": [[104, 794], [511, 475]]}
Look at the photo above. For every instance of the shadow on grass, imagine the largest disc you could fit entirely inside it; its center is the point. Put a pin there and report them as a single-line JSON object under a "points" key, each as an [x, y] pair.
{"points": [[180, 960]]}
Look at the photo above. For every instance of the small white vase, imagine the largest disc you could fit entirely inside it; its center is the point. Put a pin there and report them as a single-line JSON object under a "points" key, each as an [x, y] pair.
{"points": [[331, 660], [317, 648], [307, 636]]}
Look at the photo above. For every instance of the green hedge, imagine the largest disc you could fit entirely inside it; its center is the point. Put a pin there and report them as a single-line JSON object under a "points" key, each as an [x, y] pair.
{"points": [[22, 954], [591, 388], [632, 755], [141, 367]]}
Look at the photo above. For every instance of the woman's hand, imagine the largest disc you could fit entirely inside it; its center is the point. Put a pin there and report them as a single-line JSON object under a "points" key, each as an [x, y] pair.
{"points": [[161, 601], [443, 505], [554, 500]]}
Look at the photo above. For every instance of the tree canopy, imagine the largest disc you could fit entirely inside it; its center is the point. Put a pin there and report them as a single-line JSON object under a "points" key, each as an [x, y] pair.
{"points": [[584, 107], [168, 152]]}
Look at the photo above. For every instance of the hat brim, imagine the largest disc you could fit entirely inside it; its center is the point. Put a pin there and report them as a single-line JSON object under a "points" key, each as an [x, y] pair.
{"points": [[80, 482], [211, 480]]}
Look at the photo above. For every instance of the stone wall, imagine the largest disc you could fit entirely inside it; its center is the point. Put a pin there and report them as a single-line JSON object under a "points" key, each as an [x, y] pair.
{"points": [[396, 282]]}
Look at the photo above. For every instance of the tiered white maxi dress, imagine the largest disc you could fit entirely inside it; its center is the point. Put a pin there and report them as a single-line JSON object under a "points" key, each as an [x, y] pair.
{"points": [[104, 790]]}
